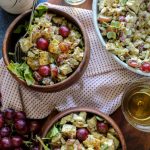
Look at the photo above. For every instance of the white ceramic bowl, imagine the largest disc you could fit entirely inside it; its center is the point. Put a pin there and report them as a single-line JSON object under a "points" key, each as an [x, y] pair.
{"points": [[95, 13], [16, 6]]}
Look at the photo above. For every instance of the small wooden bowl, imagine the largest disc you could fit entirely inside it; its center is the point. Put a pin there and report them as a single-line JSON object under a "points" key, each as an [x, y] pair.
{"points": [[52, 120], [10, 40]]}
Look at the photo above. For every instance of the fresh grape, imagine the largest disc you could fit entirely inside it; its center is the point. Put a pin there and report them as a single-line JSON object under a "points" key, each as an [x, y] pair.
{"points": [[9, 114], [82, 134], [20, 115], [17, 141], [64, 31], [102, 127], [1, 120], [145, 67], [42, 44], [6, 143], [34, 126], [21, 126], [44, 71], [5, 131]]}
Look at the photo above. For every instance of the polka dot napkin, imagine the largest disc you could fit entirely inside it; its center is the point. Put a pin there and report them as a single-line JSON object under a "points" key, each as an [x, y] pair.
{"points": [[101, 86]]}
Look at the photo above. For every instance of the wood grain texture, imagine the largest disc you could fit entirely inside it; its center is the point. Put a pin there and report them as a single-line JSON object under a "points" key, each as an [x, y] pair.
{"points": [[136, 140]]}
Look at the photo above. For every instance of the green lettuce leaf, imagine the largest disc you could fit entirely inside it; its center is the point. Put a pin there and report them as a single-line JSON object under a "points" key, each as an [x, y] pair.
{"points": [[40, 10], [53, 132], [13, 67], [22, 71], [22, 27]]}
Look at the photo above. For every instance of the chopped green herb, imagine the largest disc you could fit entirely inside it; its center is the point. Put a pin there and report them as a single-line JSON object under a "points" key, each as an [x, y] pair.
{"points": [[115, 24], [111, 35]]}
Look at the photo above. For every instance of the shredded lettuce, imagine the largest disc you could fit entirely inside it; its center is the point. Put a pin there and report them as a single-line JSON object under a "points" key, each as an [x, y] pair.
{"points": [[22, 71]]}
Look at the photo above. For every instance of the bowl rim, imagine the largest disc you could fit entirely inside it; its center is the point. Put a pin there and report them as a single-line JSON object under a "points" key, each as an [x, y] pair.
{"points": [[52, 120], [75, 75], [95, 10]]}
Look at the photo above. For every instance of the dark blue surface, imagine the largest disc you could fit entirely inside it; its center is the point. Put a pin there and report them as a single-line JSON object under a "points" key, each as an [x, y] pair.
{"points": [[5, 20]]}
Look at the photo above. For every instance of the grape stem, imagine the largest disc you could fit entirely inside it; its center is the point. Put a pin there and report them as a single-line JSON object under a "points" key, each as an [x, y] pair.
{"points": [[42, 143], [27, 143]]}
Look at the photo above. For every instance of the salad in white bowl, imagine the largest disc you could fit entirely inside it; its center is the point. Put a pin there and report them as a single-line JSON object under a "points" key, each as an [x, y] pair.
{"points": [[125, 26]]}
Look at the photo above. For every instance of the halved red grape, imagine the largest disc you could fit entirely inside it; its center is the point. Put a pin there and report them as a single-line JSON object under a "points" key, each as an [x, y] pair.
{"points": [[102, 127], [9, 114], [17, 141], [6, 143], [5, 131], [145, 67], [44, 71], [82, 134], [64, 31], [20, 115], [34, 126], [42, 43]]}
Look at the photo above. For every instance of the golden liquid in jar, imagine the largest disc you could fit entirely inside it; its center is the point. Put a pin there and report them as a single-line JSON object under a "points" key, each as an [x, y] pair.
{"points": [[139, 106]]}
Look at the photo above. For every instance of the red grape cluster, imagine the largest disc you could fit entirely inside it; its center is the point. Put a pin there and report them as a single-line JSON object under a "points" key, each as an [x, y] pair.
{"points": [[17, 132]]}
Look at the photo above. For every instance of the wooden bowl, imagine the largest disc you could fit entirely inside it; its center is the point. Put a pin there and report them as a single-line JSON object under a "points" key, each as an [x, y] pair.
{"points": [[52, 120], [10, 40]]}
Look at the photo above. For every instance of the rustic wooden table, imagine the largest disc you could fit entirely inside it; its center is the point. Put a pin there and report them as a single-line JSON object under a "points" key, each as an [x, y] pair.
{"points": [[135, 139]]}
